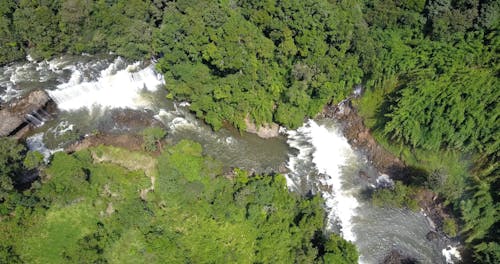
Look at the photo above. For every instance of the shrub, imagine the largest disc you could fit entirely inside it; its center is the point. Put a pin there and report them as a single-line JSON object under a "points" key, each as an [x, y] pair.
{"points": [[152, 137]]}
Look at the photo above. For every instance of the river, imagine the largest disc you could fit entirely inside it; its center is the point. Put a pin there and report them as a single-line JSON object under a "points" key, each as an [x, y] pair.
{"points": [[90, 91]]}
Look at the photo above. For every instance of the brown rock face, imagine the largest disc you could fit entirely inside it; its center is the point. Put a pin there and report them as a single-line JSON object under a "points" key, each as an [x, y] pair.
{"points": [[264, 131], [16, 117], [360, 137]]}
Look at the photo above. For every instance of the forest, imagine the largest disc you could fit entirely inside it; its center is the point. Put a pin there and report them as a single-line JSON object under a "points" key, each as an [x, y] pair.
{"points": [[429, 69], [86, 208]]}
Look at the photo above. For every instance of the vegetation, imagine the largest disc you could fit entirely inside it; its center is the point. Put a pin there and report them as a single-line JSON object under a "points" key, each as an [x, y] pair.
{"points": [[399, 195], [432, 86], [11, 165], [430, 71], [270, 60], [152, 137], [89, 209]]}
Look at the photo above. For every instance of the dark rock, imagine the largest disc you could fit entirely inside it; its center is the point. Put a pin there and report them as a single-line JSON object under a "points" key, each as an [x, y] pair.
{"points": [[397, 257], [21, 114], [363, 175], [432, 236], [127, 121]]}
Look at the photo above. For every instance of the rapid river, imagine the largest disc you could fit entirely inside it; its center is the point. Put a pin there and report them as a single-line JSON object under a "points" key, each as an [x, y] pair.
{"points": [[90, 91]]}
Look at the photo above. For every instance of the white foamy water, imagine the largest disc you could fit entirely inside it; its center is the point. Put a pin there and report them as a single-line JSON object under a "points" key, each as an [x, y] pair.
{"points": [[451, 254], [114, 88], [174, 120], [35, 143], [329, 152], [323, 161]]}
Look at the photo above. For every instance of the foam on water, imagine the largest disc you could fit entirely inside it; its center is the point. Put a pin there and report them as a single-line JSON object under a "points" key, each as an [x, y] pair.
{"points": [[324, 162], [9, 93], [114, 88], [451, 254], [330, 151], [35, 143], [174, 120]]}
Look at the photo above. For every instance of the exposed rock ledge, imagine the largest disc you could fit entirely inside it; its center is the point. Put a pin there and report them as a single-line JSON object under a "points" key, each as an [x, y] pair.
{"points": [[18, 116], [360, 137], [265, 131]]}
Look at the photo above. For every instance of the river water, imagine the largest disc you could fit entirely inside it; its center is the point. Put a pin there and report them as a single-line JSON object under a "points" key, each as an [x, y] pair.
{"points": [[90, 91]]}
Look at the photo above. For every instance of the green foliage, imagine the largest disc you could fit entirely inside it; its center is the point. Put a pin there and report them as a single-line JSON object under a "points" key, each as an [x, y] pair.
{"points": [[432, 82], [230, 62], [338, 250], [430, 69], [398, 196], [68, 178], [479, 213], [457, 110], [46, 28], [487, 252], [11, 157], [33, 160], [152, 137], [89, 210], [450, 227]]}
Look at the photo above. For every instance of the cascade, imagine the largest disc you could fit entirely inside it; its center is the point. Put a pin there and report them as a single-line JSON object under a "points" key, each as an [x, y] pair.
{"points": [[324, 162], [115, 87], [34, 119], [328, 151]]}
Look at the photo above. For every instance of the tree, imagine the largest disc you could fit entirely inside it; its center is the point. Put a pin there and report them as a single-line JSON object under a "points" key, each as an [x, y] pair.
{"points": [[33, 160], [11, 157], [152, 137]]}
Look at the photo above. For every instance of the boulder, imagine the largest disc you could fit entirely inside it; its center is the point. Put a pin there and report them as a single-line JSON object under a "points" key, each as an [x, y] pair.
{"points": [[264, 131], [17, 116]]}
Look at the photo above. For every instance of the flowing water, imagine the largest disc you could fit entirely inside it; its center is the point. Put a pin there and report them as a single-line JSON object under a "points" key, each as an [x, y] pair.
{"points": [[90, 91], [324, 162]]}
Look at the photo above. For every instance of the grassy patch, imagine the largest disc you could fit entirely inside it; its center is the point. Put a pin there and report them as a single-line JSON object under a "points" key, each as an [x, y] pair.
{"points": [[130, 160]]}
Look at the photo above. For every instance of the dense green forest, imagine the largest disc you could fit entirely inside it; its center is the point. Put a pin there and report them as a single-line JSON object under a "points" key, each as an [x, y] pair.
{"points": [[110, 205], [430, 71]]}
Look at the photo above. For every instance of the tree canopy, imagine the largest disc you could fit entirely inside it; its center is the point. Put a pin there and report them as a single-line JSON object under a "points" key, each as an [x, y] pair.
{"points": [[89, 209]]}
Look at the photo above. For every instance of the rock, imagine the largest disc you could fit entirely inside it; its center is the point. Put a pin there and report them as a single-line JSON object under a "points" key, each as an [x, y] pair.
{"points": [[23, 113], [362, 174], [129, 120], [265, 131], [431, 235], [283, 168], [359, 136], [397, 257]]}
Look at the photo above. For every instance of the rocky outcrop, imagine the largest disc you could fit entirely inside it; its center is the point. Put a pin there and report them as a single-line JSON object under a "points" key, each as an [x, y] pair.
{"points": [[18, 116], [265, 131], [397, 257], [360, 137]]}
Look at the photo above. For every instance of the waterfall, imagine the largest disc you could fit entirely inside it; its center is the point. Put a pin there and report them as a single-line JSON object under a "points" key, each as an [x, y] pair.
{"points": [[329, 152], [322, 161], [115, 87], [35, 143], [34, 119]]}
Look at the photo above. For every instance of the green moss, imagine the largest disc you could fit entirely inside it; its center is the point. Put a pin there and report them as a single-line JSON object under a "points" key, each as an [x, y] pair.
{"points": [[450, 227]]}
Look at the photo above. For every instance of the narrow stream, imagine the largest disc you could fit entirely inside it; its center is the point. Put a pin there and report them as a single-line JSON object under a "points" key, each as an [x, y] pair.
{"points": [[91, 91]]}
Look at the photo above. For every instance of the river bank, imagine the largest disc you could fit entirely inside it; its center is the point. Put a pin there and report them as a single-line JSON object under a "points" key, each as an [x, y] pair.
{"points": [[111, 110], [360, 137]]}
